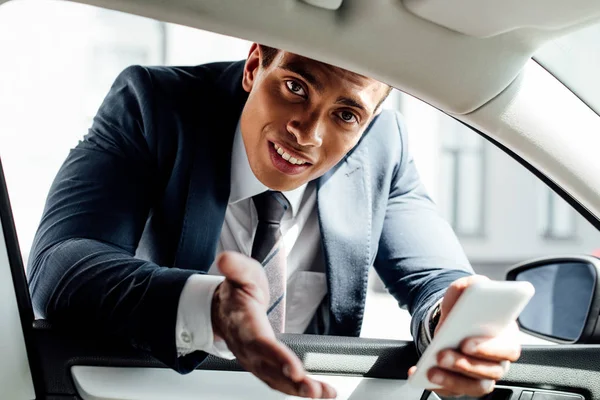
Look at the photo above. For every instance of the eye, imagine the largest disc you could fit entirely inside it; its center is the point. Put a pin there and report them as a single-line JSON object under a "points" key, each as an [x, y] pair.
{"points": [[295, 88], [348, 117]]}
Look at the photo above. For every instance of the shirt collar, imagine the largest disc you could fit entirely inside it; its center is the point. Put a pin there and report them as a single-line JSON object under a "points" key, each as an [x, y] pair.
{"points": [[244, 184]]}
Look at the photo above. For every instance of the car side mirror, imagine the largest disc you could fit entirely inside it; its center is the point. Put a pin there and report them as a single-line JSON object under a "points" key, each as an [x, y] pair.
{"points": [[566, 304]]}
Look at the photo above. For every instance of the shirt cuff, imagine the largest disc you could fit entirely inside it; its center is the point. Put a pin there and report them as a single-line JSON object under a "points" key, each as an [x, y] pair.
{"points": [[193, 329]]}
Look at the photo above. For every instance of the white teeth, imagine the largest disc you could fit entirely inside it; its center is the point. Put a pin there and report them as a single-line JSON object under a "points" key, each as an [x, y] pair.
{"points": [[287, 157]]}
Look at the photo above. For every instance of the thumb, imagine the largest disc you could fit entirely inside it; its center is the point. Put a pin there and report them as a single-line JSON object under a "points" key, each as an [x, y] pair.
{"points": [[242, 271]]}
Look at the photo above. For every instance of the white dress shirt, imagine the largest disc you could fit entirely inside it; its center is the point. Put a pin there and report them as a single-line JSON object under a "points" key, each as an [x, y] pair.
{"points": [[306, 284]]}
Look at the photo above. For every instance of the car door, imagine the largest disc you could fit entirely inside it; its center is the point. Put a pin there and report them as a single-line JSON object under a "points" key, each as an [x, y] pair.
{"points": [[40, 361]]}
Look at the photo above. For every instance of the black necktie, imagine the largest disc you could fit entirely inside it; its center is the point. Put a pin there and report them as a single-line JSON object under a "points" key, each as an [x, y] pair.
{"points": [[267, 248]]}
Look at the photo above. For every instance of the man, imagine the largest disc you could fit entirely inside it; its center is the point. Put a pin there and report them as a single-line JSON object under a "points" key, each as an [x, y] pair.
{"points": [[281, 158]]}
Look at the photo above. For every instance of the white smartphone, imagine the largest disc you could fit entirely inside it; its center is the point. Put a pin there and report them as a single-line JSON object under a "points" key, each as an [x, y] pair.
{"points": [[485, 308]]}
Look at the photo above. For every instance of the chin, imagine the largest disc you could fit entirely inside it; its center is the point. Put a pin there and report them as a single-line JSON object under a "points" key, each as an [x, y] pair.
{"points": [[281, 184], [272, 178]]}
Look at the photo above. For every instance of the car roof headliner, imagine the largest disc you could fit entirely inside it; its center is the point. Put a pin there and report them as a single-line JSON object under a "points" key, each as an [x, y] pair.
{"points": [[453, 71]]}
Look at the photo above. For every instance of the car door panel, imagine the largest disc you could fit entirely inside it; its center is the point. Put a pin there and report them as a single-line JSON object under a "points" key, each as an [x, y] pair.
{"points": [[358, 368], [158, 384], [61, 351], [15, 376], [571, 368]]}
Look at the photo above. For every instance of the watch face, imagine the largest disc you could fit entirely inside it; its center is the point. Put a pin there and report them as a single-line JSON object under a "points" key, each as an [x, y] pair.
{"points": [[435, 317]]}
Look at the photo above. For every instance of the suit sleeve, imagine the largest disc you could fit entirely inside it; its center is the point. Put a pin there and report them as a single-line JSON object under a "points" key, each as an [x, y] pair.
{"points": [[419, 255], [82, 271]]}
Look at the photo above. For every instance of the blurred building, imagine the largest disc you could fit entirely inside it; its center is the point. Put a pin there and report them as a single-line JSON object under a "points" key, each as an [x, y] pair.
{"points": [[501, 212]]}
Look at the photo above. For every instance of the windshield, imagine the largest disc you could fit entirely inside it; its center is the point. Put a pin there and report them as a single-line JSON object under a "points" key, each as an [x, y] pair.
{"points": [[575, 60]]}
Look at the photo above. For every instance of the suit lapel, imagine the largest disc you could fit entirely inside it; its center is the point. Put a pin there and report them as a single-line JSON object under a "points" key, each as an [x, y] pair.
{"points": [[344, 209], [210, 179]]}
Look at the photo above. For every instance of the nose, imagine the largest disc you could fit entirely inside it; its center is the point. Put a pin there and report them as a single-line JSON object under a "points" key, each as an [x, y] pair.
{"points": [[307, 131]]}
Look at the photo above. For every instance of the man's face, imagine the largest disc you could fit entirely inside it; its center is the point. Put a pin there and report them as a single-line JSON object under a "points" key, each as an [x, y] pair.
{"points": [[302, 117]]}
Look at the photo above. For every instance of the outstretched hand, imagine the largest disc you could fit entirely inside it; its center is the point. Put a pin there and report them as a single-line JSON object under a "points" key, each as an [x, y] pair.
{"points": [[239, 317]]}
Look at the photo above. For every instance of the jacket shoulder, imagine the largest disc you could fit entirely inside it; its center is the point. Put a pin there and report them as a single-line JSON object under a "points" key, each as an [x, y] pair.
{"points": [[173, 82], [387, 134]]}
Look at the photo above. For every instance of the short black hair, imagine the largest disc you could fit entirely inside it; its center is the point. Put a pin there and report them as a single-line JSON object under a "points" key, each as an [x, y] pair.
{"points": [[269, 54], [387, 93]]}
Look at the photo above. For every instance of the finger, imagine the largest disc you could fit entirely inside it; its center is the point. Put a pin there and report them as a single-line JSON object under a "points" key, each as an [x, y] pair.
{"points": [[492, 349], [505, 365], [457, 383], [328, 391], [316, 389], [278, 356], [243, 271], [439, 392], [469, 366], [412, 370], [306, 388], [311, 388], [445, 393], [276, 380], [239, 268]]}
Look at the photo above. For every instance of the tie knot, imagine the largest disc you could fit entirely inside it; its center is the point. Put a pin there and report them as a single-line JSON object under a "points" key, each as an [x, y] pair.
{"points": [[270, 206]]}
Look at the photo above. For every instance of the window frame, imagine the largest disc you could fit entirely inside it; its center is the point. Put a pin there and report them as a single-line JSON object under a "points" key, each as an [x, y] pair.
{"points": [[557, 189]]}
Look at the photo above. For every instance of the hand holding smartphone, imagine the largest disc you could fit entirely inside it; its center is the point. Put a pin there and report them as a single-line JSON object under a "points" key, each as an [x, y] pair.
{"points": [[484, 309]]}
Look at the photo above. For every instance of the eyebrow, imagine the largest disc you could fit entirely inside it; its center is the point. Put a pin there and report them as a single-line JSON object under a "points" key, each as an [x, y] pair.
{"points": [[350, 103], [300, 69]]}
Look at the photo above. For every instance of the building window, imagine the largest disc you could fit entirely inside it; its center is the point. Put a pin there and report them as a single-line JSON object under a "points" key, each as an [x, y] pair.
{"points": [[557, 218], [462, 175], [110, 51]]}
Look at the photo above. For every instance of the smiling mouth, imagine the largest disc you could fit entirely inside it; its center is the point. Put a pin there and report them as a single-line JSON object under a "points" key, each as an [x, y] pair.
{"points": [[287, 157]]}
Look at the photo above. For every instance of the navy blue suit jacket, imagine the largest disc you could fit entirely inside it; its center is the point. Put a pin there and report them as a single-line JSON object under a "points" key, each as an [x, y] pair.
{"points": [[138, 206]]}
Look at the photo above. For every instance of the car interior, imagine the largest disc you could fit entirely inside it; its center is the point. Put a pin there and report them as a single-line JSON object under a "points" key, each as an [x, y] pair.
{"points": [[480, 63]]}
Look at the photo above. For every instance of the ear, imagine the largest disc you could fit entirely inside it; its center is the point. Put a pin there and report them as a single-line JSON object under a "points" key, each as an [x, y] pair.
{"points": [[252, 67]]}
